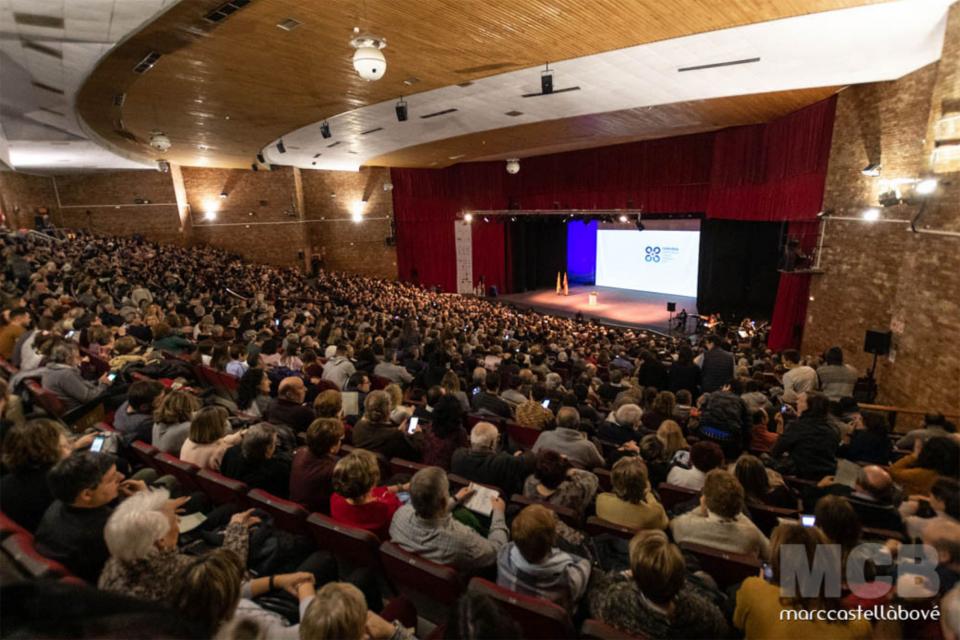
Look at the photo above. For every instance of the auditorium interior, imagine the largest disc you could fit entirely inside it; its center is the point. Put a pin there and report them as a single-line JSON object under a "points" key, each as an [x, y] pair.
{"points": [[540, 319]]}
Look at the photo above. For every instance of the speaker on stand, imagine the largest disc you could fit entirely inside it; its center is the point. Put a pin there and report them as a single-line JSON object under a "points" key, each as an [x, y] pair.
{"points": [[877, 343], [671, 308]]}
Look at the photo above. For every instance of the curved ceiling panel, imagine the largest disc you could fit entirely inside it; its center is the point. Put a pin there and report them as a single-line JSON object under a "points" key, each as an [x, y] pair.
{"points": [[610, 92], [223, 90]]}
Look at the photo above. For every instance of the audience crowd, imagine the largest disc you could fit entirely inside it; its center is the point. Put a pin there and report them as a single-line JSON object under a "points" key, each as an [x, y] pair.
{"points": [[522, 428]]}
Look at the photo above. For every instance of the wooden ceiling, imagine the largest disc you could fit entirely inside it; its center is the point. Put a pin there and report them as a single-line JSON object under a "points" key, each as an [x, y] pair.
{"points": [[223, 91], [600, 129]]}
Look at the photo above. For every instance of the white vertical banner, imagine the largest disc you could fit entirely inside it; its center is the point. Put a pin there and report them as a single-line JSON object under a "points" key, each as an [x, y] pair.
{"points": [[463, 239]]}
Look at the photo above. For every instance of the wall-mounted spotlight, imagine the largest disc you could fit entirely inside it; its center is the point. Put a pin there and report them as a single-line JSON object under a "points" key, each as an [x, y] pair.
{"points": [[623, 217], [486, 219], [356, 210], [401, 110], [513, 166], [546, 81], [871, 215], [325, 129], [223, 195], [872, 170], [468, 217], [280, 147]]}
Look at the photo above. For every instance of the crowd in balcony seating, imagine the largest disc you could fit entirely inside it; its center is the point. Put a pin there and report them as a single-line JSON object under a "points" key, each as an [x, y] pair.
{"points": [[615, 472]]}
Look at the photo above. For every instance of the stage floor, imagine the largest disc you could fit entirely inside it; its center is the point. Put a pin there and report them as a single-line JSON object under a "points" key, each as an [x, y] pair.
{"points": [[614, 306]]}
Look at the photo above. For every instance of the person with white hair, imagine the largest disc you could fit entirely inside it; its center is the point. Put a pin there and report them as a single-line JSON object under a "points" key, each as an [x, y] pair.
{"points": [[141, 536], [484, 463], [624, 427]]}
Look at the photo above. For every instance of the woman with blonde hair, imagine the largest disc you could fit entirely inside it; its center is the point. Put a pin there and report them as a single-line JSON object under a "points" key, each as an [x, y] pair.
{"points": [[450, 383], [209, 439], [171, 421], [671, 435], [339, 612]]}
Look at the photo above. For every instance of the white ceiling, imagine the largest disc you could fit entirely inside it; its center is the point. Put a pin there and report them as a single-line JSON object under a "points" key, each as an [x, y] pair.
{"points": [[864, 44], [40, 125]]}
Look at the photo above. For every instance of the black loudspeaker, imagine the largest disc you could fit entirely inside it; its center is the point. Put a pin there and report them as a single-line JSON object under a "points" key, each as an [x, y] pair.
{"points": [[546, 83], [877, 342], [671, 306]]}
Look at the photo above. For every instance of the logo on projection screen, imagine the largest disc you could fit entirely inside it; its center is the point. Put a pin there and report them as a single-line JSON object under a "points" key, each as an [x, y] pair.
{"points": [[653, 254]]}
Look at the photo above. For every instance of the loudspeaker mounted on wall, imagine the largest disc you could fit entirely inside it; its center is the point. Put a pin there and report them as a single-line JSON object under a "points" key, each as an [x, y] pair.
{"points": [[877, 342], [671, 306]]}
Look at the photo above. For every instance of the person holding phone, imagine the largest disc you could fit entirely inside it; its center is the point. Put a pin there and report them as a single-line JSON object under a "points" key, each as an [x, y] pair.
{"points": [[534, 413]]}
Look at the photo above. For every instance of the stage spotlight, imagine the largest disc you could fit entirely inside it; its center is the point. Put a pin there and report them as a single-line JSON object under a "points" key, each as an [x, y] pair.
{"points": [[513, 166], [401, 110], [640, 226], [486, 219], [622, 218], [872, 170], [546, 81], [513, 218], [325, 129], [871, 214], [889, 198], [926, 187], [280, 147], [468, 217], [223, 195]]}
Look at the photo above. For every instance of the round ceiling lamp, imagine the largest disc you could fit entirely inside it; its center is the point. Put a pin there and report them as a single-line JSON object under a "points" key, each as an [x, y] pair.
{"points": [[368, 58], [513, 166], [160, 141]]}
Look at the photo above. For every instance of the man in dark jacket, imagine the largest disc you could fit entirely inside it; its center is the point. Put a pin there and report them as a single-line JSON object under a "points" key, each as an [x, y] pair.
{"points": [[489, 400], [375, 432], [809, 442], [726, 420], [872, 497], [482, 463], [717, 366], [288, 408]]}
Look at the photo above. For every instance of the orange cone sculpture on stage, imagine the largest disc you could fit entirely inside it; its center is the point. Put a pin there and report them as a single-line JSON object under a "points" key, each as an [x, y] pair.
{"points": [[558, 283], [566, 289]]}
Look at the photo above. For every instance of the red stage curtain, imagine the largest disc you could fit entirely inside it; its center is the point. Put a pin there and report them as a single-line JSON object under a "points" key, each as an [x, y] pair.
{"points": [[768, 172], [789, 311]]}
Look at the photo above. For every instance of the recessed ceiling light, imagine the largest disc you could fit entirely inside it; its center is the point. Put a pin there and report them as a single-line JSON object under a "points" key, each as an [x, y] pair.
{"points": [[289, 24], [514, 113], [458, 156], [411, 81]]}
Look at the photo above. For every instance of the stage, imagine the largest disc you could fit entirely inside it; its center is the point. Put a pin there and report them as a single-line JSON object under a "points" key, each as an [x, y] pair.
{"points": [[614, 306]]}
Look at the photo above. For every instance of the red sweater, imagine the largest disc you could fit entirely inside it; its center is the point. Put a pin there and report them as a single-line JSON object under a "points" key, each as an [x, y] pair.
{"points": [[374, 516]]}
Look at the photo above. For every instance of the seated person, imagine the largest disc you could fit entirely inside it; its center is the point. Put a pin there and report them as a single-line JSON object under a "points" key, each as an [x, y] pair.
{"points": [[757, 485], [873, 497], [943, 503], [934, 425], [288, 408], [426, 527], [719, 523], [726, 420], [762, 440], [483, 463], [625, 427], [339, 612], [328, 404], [171, 421], [917, 472], [568, 440], [141, 535], [209, 438], [808, 446], [632, 504], [390, 369], [654, 599], [253, 391], [532, 414], [533, 565], [210, 591], [487, 401], [869, 441], [704, 457], [760, 603], [555, 481], [253, 461], [29, 452], [311, 475], [357, 500], [71, 532], [444, 433], [431, 398], [134, 418], [375, 431], [62, 377]]}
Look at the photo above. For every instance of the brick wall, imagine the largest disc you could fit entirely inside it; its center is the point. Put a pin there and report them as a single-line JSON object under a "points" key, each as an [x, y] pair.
{"points": [[22, 194], [880, 275], [259, 219]]}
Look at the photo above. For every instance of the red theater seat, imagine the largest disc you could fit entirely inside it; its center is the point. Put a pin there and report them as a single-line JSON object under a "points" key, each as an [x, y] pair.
{"points": [[145, 453], [539, 619], [184, 472], [595, 526], [358, 547], [672, 495], [221, 489], [24, 554], [8, 527], [522, 437], [566, 514], [433, 587], [725, 568], [596, 630], [288, 515], [767, 518]]}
